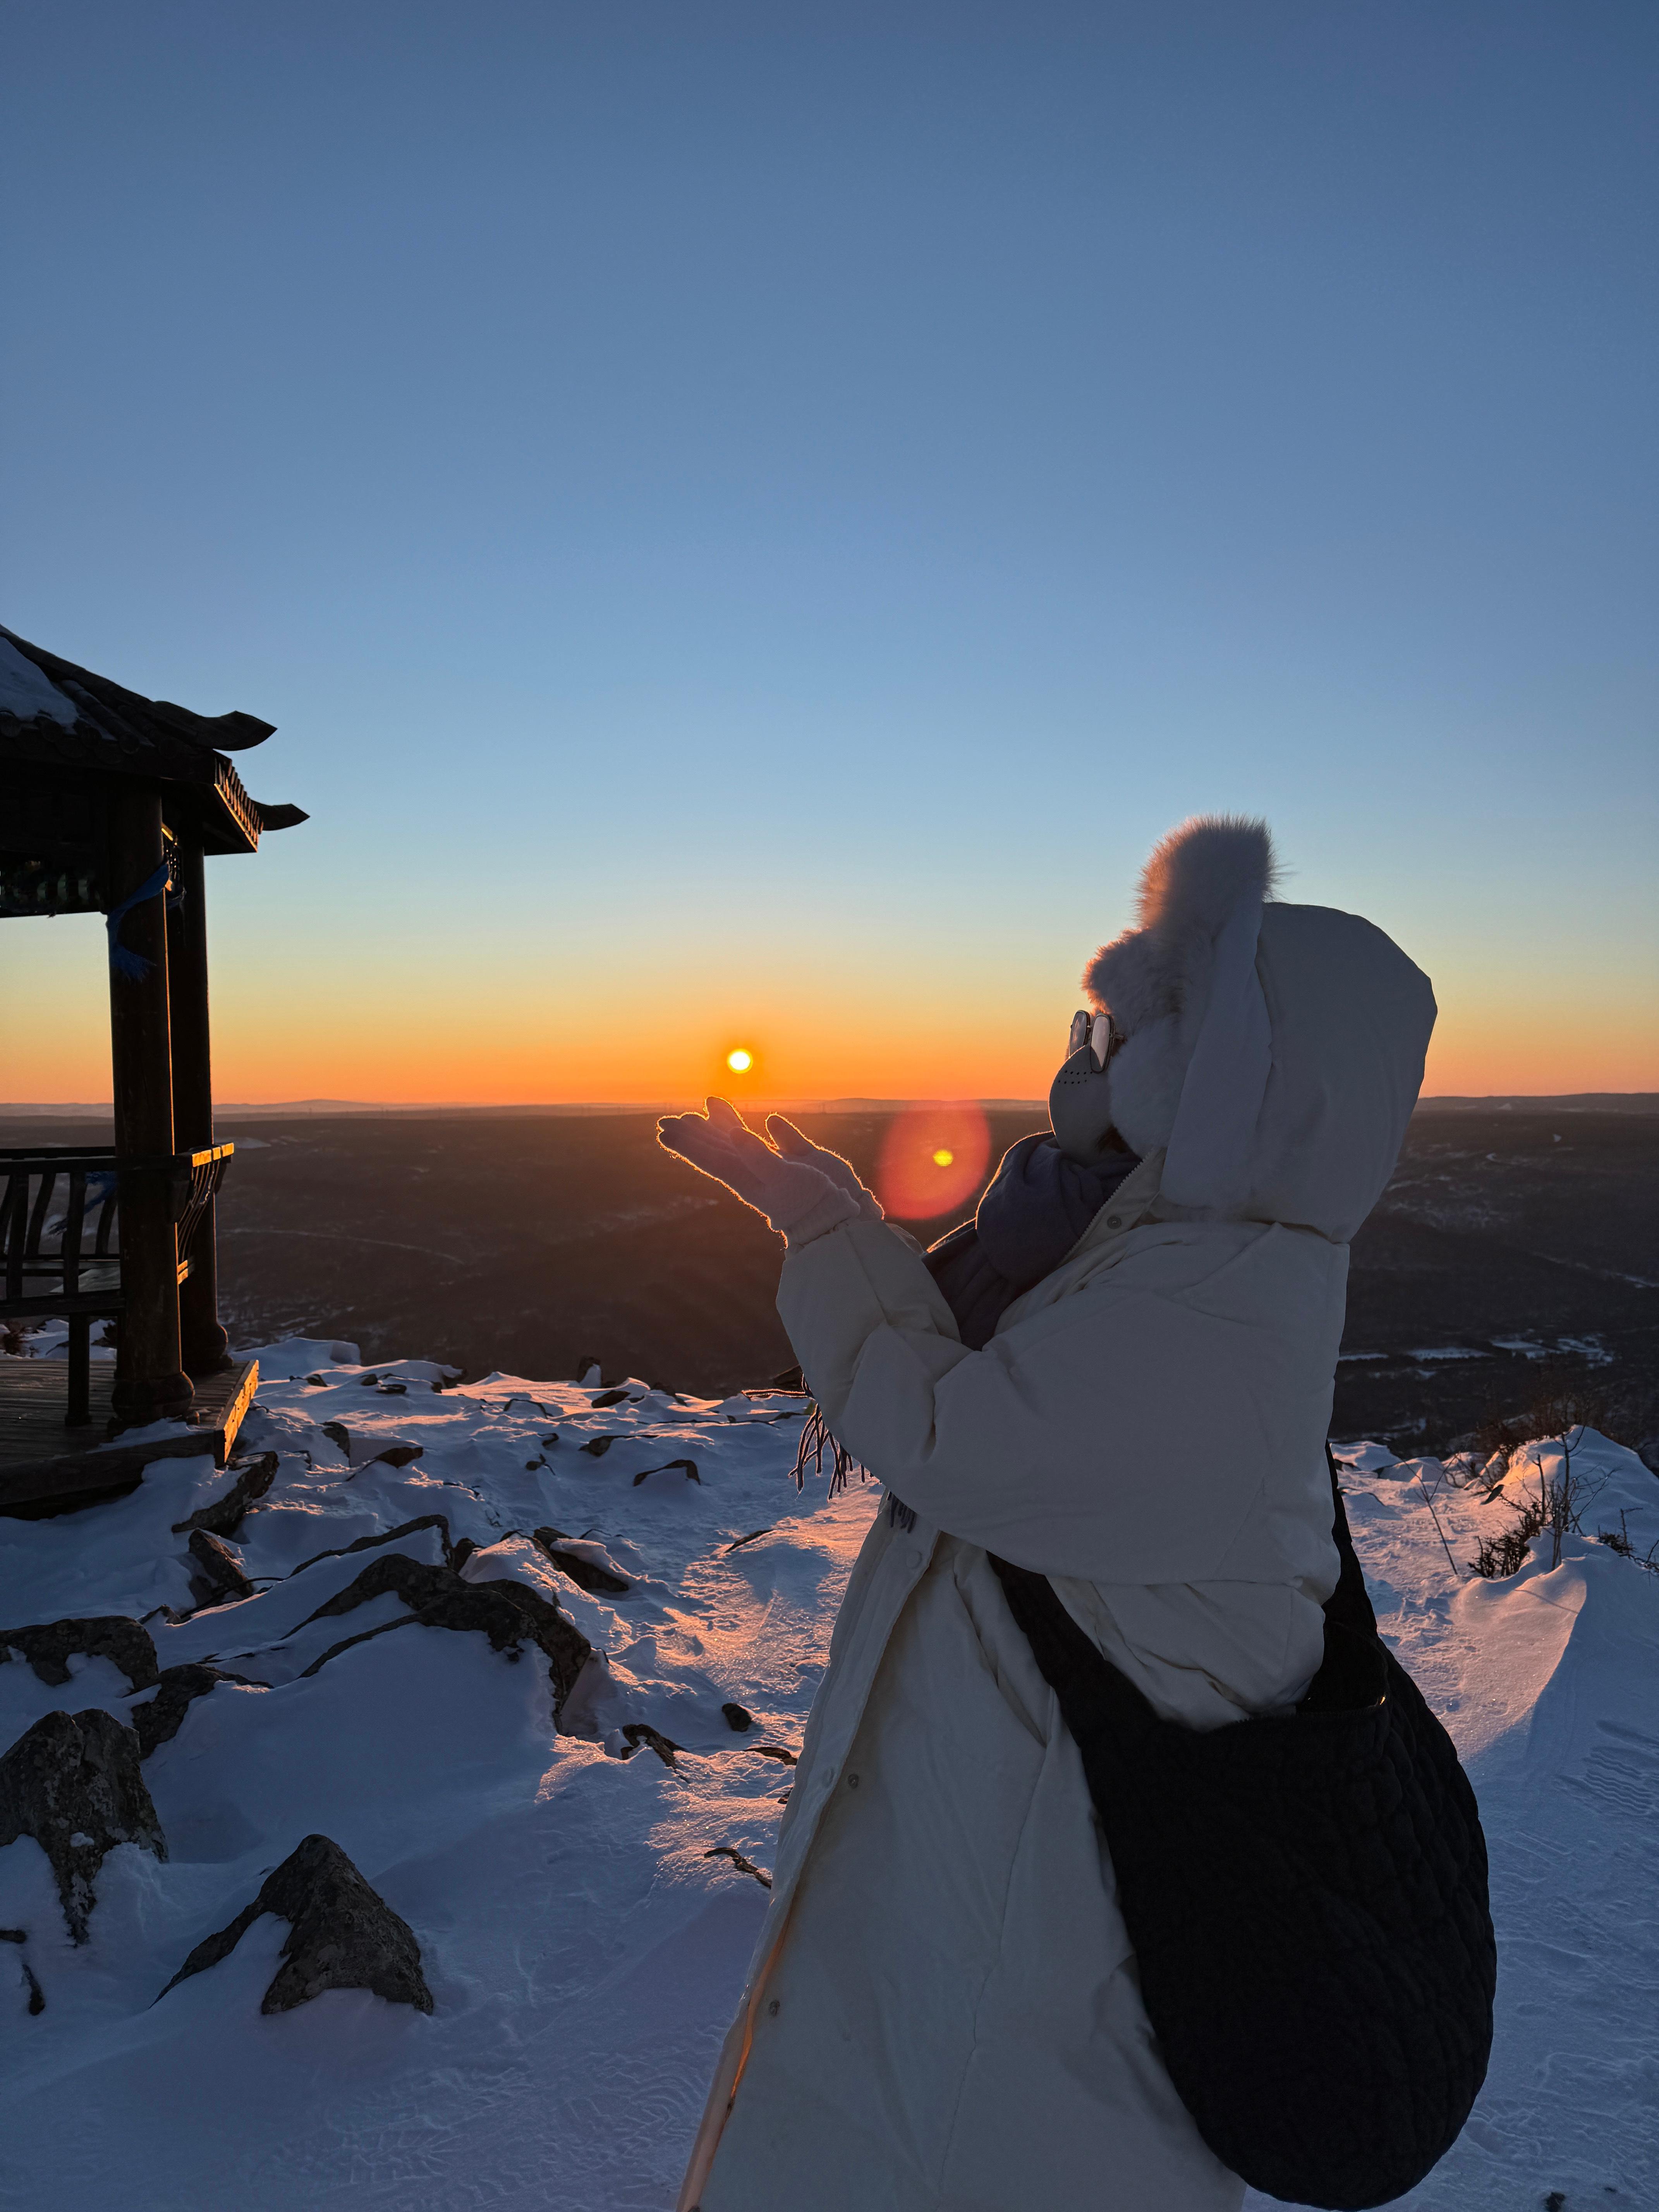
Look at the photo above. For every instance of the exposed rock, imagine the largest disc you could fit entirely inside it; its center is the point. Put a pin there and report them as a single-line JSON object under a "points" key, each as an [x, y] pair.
{"points": [[506, 1611], [157, 1720], [598, 1581], [73, 1783], [396, 1451], [754, 1534], [37, 1994], [437, 1521], [342, 1935], [742, 1864], [50, 1645], [218, 1578], [607, 1398], [224, 1517], [775, 1751], [597, 1447], [688, 1467], [738, 1717], [640, 1734]]}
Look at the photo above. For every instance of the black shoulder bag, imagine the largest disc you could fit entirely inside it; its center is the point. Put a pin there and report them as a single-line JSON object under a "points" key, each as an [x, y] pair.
{"points": [[1307, 1900]]}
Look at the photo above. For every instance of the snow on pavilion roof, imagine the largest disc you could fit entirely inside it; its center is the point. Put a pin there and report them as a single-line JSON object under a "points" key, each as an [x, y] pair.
{"points": [[56, 714]]}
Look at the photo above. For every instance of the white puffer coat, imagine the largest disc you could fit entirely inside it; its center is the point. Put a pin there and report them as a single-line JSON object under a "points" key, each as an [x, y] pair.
{"points": [[943, 2013]]}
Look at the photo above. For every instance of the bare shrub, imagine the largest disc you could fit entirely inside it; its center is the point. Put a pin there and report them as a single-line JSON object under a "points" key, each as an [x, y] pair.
{"points": [[1557, 1501], [1501, 1555], [1617, 1539]]}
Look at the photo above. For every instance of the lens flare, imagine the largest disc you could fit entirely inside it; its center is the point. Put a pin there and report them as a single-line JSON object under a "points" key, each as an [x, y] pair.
{"points": [[933, 1160], [740, 1061]]}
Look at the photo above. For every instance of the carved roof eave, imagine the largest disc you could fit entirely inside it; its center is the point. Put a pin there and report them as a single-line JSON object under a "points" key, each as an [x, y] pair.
{"points": [[230, 821], [117, 732]]}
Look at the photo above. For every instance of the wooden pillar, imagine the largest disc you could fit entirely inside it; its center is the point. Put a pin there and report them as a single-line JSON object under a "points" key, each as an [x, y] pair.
{"points": [[204, 1345], [150, 1384]]}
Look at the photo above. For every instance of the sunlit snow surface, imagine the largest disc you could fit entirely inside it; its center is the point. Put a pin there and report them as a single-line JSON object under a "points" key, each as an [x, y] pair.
{"points": [[583, 1949]]}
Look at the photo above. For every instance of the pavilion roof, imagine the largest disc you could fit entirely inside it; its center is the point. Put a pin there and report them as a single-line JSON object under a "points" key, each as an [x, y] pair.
{"points": [[56, 714]]}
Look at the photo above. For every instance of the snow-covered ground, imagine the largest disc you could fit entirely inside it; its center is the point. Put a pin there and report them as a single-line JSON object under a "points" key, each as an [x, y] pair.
{"points": [[584, 1918]]}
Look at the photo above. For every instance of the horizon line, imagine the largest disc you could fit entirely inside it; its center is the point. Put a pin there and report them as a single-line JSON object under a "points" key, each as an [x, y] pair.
{"points": [[105, 1107]]}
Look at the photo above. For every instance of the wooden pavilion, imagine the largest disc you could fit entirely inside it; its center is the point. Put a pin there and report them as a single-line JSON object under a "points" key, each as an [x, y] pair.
{"points": [[110, 803]]}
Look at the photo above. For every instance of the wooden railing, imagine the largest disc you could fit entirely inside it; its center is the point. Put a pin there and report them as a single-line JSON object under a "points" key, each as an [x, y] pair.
{"points": [[59, 1236]]}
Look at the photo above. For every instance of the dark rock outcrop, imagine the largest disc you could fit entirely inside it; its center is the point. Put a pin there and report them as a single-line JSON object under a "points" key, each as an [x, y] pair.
{"points": [[505, 1611], [642, 1736], [224, 1517], [50, 1645], [364, 1452], [341, 1934], [598, 1581], [37, 1994], [218, 1579], [157, 1721], [688, 1467], [742, 1865], [437, 1521], [739, 1718], [72, 1783]]}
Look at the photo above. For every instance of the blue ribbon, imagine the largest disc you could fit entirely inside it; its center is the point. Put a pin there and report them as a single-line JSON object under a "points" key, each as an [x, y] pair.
{"points": [[132, 965]]}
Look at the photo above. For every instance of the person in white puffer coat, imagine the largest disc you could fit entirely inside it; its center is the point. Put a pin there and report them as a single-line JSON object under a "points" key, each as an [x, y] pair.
{"points": [[943, 2013]]}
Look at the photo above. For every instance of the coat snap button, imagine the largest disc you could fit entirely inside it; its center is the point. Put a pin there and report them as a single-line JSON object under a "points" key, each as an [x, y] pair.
{"points": [[852, 1782], [916, 1559], [772, 2010], [1114, 1221]]}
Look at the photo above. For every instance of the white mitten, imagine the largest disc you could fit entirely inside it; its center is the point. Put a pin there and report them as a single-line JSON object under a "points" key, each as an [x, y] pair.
{"points": [[794, 1145], [798, 1200]]}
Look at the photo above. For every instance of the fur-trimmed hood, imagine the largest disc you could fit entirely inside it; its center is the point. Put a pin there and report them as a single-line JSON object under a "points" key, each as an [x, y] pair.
{"points": [[1273, 1051]]}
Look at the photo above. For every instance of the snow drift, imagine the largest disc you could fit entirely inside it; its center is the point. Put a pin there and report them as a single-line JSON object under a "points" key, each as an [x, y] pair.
{"points": [[583, 1888]]}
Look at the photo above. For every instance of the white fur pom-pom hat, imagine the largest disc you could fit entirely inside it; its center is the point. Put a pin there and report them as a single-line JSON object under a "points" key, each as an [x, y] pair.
{"points": [[1273, 1052], [1181, 988]]}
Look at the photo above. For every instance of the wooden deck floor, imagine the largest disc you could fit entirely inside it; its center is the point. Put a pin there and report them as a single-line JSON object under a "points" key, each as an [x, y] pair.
{"points": [[42, 1461]]}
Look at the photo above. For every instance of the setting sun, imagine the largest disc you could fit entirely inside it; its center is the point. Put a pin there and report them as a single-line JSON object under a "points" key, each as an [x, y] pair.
{"points": [[739, 1061], [942, 1158]]}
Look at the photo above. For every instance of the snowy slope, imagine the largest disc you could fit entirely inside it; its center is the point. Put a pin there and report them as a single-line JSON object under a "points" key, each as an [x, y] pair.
{"points": [[582, 1944]]}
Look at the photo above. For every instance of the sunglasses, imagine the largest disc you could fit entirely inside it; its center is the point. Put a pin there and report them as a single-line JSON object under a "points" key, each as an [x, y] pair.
{"points": [[1097, 1031]]}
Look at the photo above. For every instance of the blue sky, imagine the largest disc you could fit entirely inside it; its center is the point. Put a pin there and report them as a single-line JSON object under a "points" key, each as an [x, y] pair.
{"points": [[751, 520]]}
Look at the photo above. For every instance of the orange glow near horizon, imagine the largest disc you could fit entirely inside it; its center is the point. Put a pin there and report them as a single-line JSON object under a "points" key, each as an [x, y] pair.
{"points": [[293, 1022]]}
